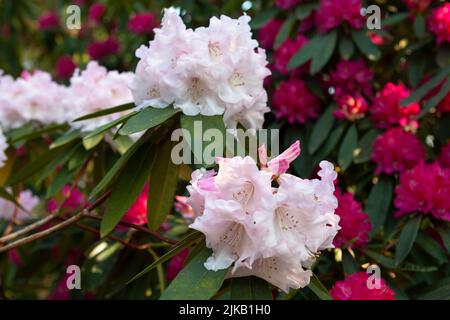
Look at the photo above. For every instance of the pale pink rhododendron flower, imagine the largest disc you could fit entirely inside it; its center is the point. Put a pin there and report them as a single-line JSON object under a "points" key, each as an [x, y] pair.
{"points": [[9, 210], [424, 189], [355, 287], [211, 70], [260, 230], [285, 52], [387, 112], [439, 23], [355, 224], [137, 213], [294, 101], [95, 89], [332, 13], [396, 151], [3, 147], [268, 33], [351, 107]]}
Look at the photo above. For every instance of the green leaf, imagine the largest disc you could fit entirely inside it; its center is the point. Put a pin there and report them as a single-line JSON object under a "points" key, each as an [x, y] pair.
{"points": [[431, 247], [318, 288], [365, 45], [62, 177], [284, 32], [383, 260], [321, 130], [304, 10], [195, 282], [92, 141], [378, 203], [262, 18], [406, 240], [443, 55], [433, 102], [348, 146], [163, 185], [65, 139], [365, 146], [346, 47], [416, 69], [128, 187], [394, 19], [419, 26], [305, 53], [186, 242], [321, 58], [331, 142], [109, 125], [348, 263], [439, 291], [105, 112], [423, 90], [444, 232], [4, 194], [36, 133], [146, 119], [250, 288]]}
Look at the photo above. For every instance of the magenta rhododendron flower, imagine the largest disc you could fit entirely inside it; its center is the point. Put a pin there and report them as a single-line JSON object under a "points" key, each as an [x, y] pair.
{"points": [[101, 49], [396, 151], [137, 214], [65, 67], [425, 189], [417, 5], [176, 264], [287, 4], [96, 12], [351, 108], [258, 230], [439, 23], [142, 23], [333, 13], [355, 287], [15, 258], [293, 101], [50, 20], [444, 105], [387, 112], [355, 224], [268, 33], [351, 77], [444, 156], [286, 51], [74, 200], [9, 211]]}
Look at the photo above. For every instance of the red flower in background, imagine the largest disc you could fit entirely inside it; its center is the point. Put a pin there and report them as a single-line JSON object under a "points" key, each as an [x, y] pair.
{"points": [[287, 4], [351, 108], [396, 151], [65, 67], [354, 223], [49, 20], [444, 156], [286, 51], [143, 23], [137, 214], [101, 49], [74, 199], [417, 5], [439, 23], [176, 264], [96, 12], [351, 77], [444, 105], [355, 287], [293, 101], [424, 188], [268, 33], [332, 13], [387, 112]]}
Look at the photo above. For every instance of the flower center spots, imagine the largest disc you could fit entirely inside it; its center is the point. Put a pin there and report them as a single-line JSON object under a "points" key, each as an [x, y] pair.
{"points": [[244, 195], [285, 220], [233, 236], [153, 92], [267, 266], [196, 90], [214, 49], [236, 79]]}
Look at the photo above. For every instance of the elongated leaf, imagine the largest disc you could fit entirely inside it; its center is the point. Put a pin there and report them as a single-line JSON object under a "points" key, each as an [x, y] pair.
{"points": [[383, 260], [146, 119], [61, 178], [434, 101], [394, 19], [250, 288], [318, 288], [419, 26], [321, 130], [365, 146], [163, 184], [346, 47], [186, 242], [348, 263], [129, 186], [423, 90], [431, 247], [365, 45], [305, 53], [331, 142], [304, 10], [109, 125], [348, 146], [195, 282], [416, 69], [105, 112], [444, 232], [321, 58], [284, 32], [9, 197], [378, 203], [37, 133], [439, 291], [262, 18], [65, 139], [406, 240], [92, 141]]}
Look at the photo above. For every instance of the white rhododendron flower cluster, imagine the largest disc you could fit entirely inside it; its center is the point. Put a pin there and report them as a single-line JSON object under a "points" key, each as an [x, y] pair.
{"points": [[3, 147], [211, 70], [9, 210], [95, 89], [36, 97], [274, 233]]}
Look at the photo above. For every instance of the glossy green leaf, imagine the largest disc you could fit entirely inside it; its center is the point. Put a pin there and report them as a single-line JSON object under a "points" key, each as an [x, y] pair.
{"points": [[305, 53], [250, 288], [348, 263], [147, 119], [346, 47], [419, 26], [327, 46], [318, 288], [109, 125], [407, 239], [262, 18], [348, 146], [321, 130], [66, 138], [108, 111], [365, 146], [378, 203], [436, 99], [92, 141], [432, 248], [365, 45], [284, 31], [394, 19]]}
